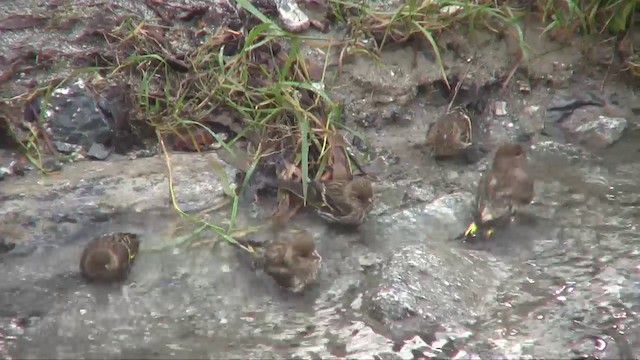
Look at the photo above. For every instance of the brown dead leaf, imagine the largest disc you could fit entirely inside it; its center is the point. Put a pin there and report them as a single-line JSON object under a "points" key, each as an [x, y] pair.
{"points": [[155, 32], [191, 139], [315, 71], [290, 171], [338, 158]]}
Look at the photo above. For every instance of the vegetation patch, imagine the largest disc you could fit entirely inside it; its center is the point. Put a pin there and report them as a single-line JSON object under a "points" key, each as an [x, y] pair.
{"points": [[245, 83]]}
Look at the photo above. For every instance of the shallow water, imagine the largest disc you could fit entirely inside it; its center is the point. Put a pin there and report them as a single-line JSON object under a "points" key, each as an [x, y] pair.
{"points": [[569, 283], [571, 287]]}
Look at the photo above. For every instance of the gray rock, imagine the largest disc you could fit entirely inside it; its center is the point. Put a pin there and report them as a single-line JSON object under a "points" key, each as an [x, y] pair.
{"points": [[292, 17], [86, 196], [434, 280], [427, 286], [601, 132], [73, 117], [566, 152], [443, 219], [581, 119], [98, 151], [369, 259], [66, 148]]}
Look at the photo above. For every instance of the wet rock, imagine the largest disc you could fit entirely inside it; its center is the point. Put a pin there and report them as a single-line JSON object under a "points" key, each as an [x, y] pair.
{"points": [[420, 193], [568, 152], [524, 87], [293, 19], [499, 108], [369, 259], [563, 103], [402, 194], [587, 126], [51, 165], [66, 148], [87, 196], [73, 117], [436, 281], [601, 132], [441, 220], [583, 119], [426, 286], [98, 151]]}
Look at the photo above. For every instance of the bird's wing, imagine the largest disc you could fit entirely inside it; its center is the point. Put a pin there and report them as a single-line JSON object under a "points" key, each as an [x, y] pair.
{"points": [[482, 193], [334, 196], [463, 123], [521, 186]]}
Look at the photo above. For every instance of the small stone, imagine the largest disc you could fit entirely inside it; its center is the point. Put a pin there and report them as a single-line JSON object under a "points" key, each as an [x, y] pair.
{"points": [[579, 197], [292, 17], [453, 175], [52, 165], [450, 9], [420, 193], [603, 131], [499, 108], [98, 151], [368, 260], [524, 87], [65, 148]]}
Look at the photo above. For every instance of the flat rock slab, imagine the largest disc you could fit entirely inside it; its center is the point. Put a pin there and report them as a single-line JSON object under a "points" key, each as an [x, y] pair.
{"points": [[51, 207]]}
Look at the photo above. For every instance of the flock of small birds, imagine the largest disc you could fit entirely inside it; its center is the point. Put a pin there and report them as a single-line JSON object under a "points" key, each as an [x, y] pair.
{"points": [[291, 257]]}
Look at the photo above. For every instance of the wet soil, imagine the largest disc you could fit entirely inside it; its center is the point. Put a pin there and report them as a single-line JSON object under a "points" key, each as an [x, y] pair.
{"points": [[562, 282]]}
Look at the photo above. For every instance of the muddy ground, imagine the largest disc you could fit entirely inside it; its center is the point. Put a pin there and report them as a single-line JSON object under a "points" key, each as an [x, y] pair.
{"points": [[561, 283]]}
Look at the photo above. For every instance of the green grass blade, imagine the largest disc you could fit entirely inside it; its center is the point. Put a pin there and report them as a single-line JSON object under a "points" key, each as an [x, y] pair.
{"points": [[434, 45], [304, 130]]}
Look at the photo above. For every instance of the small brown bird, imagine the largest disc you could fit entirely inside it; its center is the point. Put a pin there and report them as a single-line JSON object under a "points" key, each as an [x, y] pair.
{"points": [[450, 135], [507, 185], [345, 202], [108, 258], [291, 259], [11, 231]]}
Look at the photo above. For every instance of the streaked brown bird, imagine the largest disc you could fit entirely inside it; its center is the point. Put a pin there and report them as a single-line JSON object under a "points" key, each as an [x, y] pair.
{"points": [[345, 202], [506, 186], [108, 258], [450, 135], [290, 258]]}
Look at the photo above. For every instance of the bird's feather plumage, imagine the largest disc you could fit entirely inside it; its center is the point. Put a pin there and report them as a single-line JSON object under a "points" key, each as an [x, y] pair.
{"points": [[291, 259], [505, 187], [108, 258]]}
